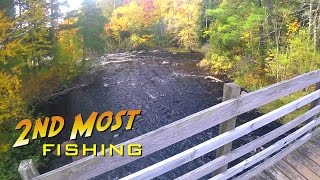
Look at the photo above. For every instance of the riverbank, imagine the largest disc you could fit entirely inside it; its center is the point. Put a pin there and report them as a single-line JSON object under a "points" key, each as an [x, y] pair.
{"points": [[165, 86]]}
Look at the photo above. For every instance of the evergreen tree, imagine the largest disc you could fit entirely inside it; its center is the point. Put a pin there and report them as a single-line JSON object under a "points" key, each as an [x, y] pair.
{"points": [[91, 23], [37, 43], [8, 7]]}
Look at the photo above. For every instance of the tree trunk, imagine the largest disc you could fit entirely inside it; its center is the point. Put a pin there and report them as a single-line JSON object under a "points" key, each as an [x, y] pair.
{"points": [[315, 29], [310, 22]]}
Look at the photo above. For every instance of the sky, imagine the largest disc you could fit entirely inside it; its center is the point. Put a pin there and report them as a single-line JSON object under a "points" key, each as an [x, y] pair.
{"points": [[73, 5]]}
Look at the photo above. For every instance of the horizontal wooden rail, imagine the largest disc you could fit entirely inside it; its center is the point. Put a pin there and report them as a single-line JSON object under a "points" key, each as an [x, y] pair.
{"points": [[278, 156], [233, 155], [170, 134], [218, 141], [267, 152]]}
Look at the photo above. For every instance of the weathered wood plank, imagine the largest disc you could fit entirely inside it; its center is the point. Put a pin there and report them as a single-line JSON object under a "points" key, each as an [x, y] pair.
{"points": [[317, 101], [275, 173], [317, 137], [263, 176], [314, 167], [313, 147], [260, 96], [312, 155], [191, 125], [302, 169], [289, 171], [216, 163], [267, 163], [27, 169], [269, 151], [315, 142], [230, 90], [214, 143]]}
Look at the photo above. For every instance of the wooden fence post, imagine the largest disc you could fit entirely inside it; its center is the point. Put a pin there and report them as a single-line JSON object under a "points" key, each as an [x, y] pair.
{"points": [[27, 169], [230, 90], [317, 101], [314, 104]]}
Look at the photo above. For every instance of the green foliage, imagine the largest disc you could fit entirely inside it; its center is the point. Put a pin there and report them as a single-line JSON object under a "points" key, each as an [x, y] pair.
{"points": [[257, 44], [35, 42], [8, 7], [11, 104], [11, 157], [11, 48], [181, 19], [282, 101], [91, 27], [295, 59], [25, 45]]}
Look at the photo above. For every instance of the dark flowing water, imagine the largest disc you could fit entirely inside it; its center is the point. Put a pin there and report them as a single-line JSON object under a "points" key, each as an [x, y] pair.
{"points": [[165, 86]]}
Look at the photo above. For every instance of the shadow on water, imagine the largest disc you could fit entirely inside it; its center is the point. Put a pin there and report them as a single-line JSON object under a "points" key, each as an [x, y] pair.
{"points": [[165, 86]]}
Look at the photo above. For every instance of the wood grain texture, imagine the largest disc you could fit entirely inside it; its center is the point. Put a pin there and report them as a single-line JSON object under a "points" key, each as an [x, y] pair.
{"points": [[309, 153], [263, 176], [216, 163], [313, 147], [27, 169], [230, 90], [289, 171], [310, 164], [302, 169], [315, 142], [269, 151], [216, 142], [275, 173], [269, 162]]}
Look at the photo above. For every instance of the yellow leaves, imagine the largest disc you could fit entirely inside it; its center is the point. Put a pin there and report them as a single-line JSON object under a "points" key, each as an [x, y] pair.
{"points": [[9, 50], [293, 27], [220, 64], [136, 40], [126, 18], [181, 18], [11, 104], [4, 147], [246, 35], [270, 56], [5, 25]]}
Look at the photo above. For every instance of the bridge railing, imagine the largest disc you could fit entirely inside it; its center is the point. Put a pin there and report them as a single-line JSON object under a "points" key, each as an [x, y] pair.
{"points": [[219, 114]]}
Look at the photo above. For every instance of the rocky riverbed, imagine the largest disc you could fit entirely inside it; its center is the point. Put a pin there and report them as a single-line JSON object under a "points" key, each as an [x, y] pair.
{"points": [[165, 86]]}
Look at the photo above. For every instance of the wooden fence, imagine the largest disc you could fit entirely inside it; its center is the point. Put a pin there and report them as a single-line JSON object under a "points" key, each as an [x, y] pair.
{"points": [[222, 114]]}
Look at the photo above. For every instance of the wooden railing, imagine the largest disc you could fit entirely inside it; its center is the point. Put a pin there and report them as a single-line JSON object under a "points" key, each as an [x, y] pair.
{"points": [[221, 114]]}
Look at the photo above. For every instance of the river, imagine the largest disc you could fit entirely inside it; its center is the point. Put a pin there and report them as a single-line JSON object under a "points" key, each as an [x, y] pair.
{"points": [[165, 86]]}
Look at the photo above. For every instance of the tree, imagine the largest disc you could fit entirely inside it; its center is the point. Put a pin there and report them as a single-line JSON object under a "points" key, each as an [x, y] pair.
{"points": [[91, 27], [235, 35], [54, 16], [126, 21], [37, 38], [10, 48], [181, 18], [8, 7], [11, 103]]}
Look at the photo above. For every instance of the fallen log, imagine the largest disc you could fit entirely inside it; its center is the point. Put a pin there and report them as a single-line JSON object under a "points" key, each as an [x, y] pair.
{"points": [[63, 92], [213, 78]]}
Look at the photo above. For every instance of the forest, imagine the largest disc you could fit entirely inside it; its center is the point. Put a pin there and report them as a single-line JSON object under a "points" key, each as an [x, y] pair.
{"points": [[44, 49]]}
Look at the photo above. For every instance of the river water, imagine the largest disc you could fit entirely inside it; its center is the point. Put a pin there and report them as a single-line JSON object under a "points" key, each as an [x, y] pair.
{"points": [[165, 86]]}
